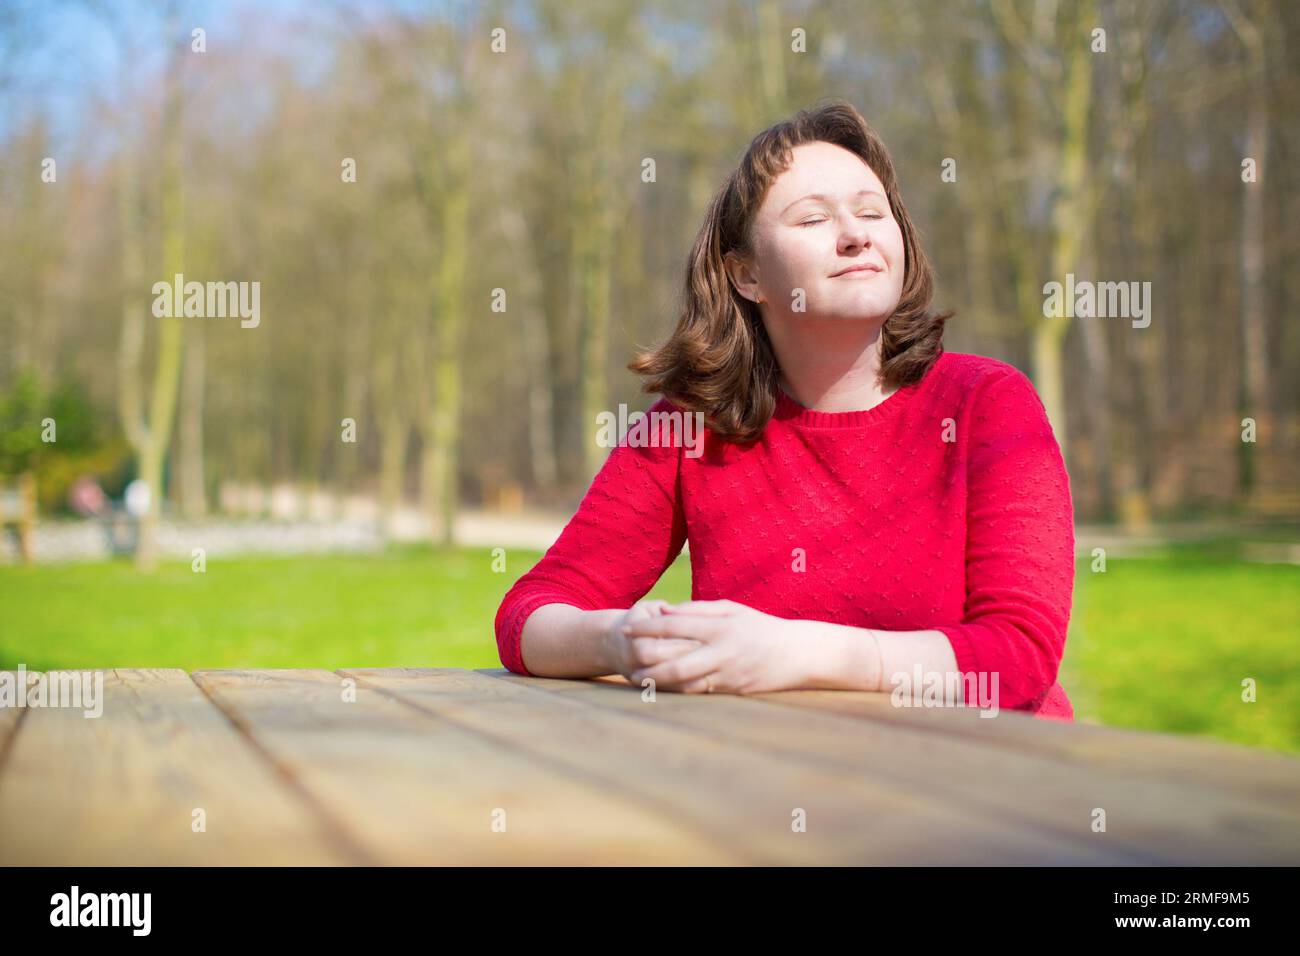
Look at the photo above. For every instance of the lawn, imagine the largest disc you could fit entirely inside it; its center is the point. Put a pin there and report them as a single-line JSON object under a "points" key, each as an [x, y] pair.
{"points": [[1164, 643], [1161, 643]]}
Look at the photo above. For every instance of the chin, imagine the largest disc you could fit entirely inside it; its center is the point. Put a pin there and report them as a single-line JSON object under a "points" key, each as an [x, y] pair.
{"points": [[867, 310], [860, 316]]}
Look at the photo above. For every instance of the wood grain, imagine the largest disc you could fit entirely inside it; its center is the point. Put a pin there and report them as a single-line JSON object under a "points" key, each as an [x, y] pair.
{"points": [[415, 766], [1258, 777], [414, 789], [1148, 819], [120, 789], [738, 793], [9, 717]]}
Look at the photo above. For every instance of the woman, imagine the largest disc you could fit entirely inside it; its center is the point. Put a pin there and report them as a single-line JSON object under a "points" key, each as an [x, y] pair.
{"points": [[869, 511]]}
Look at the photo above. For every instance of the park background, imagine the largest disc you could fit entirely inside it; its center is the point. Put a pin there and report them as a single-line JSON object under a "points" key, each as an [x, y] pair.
{"points": [[213, 139]]}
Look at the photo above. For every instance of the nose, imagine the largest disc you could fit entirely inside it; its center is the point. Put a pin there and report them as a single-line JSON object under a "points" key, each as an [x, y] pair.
{"points": [[856, 234]]}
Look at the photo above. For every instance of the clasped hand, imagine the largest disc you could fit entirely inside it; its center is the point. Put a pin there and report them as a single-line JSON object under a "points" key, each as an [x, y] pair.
{"points": [[691, 646]]}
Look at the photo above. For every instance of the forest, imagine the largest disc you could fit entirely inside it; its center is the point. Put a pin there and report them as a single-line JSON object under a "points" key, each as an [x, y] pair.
{"points": [[462, 221]]}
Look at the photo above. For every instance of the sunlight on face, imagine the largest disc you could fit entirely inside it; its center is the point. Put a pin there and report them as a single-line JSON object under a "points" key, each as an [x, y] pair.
{"points": [[807, 243]]}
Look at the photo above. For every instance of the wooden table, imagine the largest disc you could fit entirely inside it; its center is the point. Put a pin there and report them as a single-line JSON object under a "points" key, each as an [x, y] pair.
{"points": [[448, 766]]}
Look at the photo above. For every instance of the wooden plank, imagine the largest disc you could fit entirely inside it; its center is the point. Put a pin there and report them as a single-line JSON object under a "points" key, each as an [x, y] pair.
{"points": [[121, 788], [416, 790], [8, 724], [740, 792], [1262, 778], [10, 717], [1148, 819]]}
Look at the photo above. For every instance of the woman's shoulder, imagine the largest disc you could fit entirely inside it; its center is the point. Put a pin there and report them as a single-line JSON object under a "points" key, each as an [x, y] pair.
{"points": [[998, 396], [970, 376], [971, 370], [664, 405], [658, 436]]}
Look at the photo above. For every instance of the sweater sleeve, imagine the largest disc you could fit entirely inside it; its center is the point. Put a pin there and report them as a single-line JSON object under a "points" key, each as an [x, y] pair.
{"points": [[629, 527], [1019, 545]]}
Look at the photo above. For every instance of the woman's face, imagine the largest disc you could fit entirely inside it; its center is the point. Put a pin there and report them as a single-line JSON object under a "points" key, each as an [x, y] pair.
{"points": [[826, 214]]}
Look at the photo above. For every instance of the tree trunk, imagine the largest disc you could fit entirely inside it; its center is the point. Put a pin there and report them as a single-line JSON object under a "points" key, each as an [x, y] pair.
{"points": [[601, 208], [596, 278], [393, 436], [541, 437], [1253, 394], [1069, 223], [443, 435], [162, 405], [1096, 351], [27, 516], [130, 402], [771, 42], [193, 496]]}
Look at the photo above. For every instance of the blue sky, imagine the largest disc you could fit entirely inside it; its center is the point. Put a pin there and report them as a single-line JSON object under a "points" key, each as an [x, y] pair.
{"points": [[61, 54]]}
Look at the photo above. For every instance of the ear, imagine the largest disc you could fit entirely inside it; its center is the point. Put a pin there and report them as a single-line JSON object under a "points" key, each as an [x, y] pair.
{"points": [[741, 277]]}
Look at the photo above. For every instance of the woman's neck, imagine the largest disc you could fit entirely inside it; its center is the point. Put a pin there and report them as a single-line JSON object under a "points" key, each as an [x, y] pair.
{"points": [[831, 366]]}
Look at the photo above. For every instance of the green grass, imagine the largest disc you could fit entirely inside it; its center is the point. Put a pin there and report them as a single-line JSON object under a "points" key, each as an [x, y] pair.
{"points": [[1159, 643], [1163, 643], [410, 607]]}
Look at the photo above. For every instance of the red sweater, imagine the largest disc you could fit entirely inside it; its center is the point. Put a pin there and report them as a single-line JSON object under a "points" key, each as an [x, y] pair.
{"points": [[947, 507]]}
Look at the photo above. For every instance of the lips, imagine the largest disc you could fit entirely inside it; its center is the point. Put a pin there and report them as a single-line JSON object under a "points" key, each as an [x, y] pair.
{"points": [[854, 269]]}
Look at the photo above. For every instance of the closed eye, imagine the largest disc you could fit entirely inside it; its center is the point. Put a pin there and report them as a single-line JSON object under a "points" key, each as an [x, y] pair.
{"points": [[813, 222]]}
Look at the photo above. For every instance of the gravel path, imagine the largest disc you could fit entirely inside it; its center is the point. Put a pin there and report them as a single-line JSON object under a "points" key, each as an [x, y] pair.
{"points": [[86, 540]]}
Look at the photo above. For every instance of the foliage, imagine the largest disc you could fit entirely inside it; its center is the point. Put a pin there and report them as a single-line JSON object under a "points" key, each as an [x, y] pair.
{"points": [[81, 445]]}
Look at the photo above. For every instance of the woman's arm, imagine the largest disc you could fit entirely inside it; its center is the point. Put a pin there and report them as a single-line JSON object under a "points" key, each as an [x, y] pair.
{"points": [[1019, 546], [841, 657], [627, 530], [560, 640]]}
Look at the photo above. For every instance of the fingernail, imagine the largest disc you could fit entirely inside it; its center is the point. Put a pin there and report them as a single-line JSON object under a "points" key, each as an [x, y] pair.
{"points": [[627, 628]]}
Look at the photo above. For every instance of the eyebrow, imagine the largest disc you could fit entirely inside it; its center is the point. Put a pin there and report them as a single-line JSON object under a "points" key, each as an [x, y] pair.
{"points": [[860, 192]]}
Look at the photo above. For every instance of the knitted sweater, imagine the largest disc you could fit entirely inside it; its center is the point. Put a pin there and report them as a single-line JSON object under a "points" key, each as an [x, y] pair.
{"points": [[947, 507]]}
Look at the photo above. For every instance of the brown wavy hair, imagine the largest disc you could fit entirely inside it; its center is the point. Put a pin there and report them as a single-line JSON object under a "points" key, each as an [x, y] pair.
{"points": [[719, 359]]}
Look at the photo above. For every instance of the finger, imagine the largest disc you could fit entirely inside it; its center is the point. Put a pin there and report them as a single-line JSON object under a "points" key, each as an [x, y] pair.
{"points": [[680, 670], [701, 686], [647, 651], [694, 626], [703, 608], [642, 610]]}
